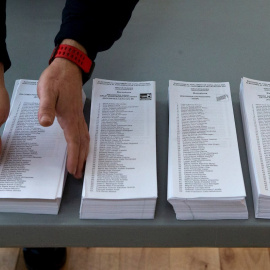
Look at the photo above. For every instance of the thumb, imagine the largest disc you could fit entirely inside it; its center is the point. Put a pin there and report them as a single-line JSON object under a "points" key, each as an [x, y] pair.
{"points": [[46, 112]]}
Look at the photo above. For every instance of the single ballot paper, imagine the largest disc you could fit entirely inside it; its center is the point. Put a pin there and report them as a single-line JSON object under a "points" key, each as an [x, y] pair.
{"points": [[32, 162], [204, 171], [255, 109], [120, 180]]}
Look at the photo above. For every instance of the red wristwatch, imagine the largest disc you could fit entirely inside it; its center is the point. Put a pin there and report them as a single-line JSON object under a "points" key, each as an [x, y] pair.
{"points": [[76, 56]]}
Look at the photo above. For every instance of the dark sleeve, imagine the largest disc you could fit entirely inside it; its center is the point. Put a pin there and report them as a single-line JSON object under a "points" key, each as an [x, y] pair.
{"points": [[95, 24], [4, 58]]}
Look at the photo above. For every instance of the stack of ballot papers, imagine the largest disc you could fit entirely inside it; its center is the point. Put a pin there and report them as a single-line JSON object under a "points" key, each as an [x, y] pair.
{"points": [[120, 179], [204, 172], [255, 108], [33, 158]]}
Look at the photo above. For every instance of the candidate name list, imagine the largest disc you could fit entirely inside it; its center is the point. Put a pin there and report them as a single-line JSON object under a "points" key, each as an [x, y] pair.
{"points": [[114, 133]]}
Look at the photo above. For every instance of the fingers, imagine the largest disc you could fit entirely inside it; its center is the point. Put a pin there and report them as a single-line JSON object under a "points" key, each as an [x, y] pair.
{"points": [[77, 137], [84, 148], [48, 99], [73, 147]]}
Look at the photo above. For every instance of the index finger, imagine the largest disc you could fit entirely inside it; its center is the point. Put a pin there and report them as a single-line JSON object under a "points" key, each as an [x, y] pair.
{"points": [[72, 136]]}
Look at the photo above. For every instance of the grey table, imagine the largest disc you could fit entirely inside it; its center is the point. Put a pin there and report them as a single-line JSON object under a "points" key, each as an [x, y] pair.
{"points": [[191, 40]]}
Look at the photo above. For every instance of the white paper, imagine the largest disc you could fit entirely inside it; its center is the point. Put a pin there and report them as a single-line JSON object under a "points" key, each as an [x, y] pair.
{"points": [[32, 159], [255, 105], [203, 151], [122, 159]]}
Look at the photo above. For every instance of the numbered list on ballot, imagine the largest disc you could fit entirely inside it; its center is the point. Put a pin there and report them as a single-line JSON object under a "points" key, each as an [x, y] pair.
{"points": [[122, 159], [33, 157], [255, 105], [203, 151]]}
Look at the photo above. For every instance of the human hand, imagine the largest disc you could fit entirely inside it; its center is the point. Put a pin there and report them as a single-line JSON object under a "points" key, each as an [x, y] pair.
{"points": [[60, 93], [4, 100]]}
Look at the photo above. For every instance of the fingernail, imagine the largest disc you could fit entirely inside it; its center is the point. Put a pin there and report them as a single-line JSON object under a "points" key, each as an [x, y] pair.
{"points": [[46, 119]]}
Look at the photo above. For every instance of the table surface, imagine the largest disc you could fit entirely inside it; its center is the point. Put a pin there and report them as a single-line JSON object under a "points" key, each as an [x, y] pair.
{"points": [[208, 41]]}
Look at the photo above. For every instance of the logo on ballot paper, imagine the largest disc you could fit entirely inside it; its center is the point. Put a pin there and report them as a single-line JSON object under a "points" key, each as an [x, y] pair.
{"points": [[146, 96], [223, 98]]}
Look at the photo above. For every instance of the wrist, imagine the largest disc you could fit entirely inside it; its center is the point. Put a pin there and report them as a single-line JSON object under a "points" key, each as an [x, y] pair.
{"points": [[63, 69], [66, 65], [72, 51], [75, 44]]}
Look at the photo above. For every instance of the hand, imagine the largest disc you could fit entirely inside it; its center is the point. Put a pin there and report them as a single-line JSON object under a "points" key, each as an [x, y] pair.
{"points": [[4, 100], [60, 93]]}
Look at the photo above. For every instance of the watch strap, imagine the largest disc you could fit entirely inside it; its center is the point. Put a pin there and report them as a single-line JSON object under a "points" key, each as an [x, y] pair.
{"points": [[74, 55]]}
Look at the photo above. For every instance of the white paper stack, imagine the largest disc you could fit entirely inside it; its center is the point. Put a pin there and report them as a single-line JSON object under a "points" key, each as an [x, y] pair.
{"points": [[33, 158], [204, 172], [120, 179], [255, 108]]}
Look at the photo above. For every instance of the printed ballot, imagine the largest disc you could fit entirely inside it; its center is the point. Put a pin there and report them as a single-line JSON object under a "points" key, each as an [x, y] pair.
{"points": [[204, 172], [120, 179], [255, 108], [32, 162]]}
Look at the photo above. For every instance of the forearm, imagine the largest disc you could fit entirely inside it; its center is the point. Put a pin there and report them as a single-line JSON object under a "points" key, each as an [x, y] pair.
{"points": [[74, 43], [96, 25]]}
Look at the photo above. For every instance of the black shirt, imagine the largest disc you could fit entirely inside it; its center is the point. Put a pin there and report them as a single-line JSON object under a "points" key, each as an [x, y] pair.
{"points": [[4, 58], [95, 24]]}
